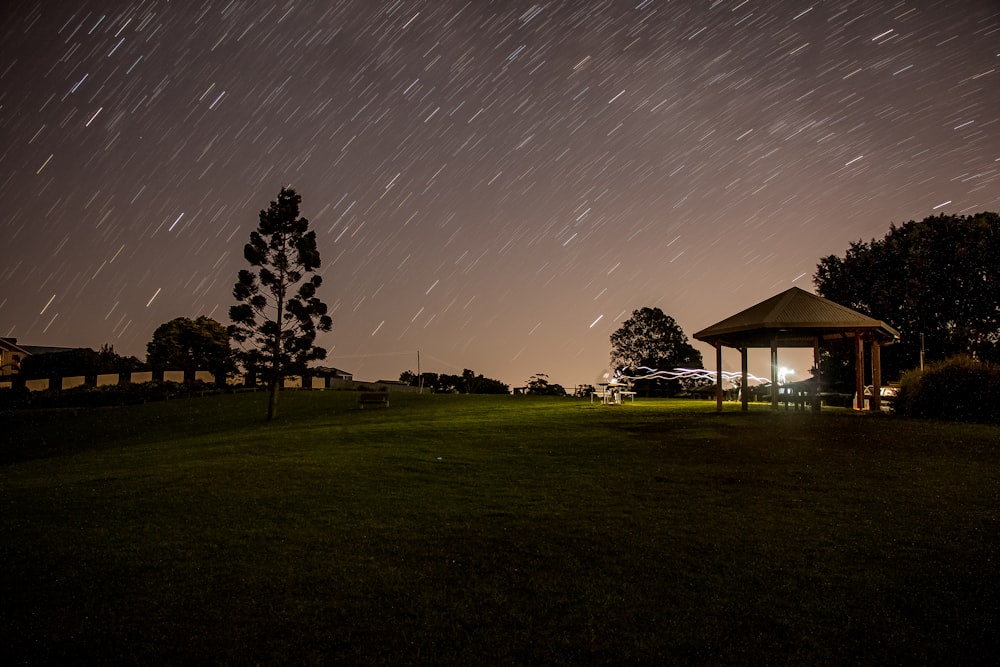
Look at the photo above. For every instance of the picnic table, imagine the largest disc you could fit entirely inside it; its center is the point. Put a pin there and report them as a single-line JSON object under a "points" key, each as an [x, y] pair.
{"points": [[612, 394]]}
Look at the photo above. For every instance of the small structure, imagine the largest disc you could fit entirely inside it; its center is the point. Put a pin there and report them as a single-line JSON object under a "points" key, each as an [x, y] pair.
{"points": [[331, 373], [796, 318], [11, 356], [379, 398]]}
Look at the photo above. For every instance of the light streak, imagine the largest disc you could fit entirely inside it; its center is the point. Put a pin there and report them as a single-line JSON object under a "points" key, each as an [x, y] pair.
{"points": [[93, 117], [45, 163], [688, 374], [407, 24]]}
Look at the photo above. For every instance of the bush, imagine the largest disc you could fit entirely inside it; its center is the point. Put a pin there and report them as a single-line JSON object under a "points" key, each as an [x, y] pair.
{"points": [[958, 388], [108, 395]]}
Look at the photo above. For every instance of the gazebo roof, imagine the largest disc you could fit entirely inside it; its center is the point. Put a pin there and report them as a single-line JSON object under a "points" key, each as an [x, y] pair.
{"points": [[795, 318]]}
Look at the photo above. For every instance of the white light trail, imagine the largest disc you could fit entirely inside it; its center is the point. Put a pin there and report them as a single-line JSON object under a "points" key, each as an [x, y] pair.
{"points": [[93, 117], [45, 163], [689, 374]]}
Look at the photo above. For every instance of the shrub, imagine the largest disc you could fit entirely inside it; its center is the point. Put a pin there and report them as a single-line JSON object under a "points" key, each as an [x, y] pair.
{"points": [[109, 395], [958, 388]]}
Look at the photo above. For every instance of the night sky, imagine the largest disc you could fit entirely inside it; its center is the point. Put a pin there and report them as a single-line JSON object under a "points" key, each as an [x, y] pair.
{"points": [[495, 184]]}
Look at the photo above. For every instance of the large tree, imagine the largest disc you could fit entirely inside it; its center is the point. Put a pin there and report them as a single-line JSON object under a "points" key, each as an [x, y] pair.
{"points": [[191, 345], [275, 323], [652, 340], [539, 385], [938, 278]]}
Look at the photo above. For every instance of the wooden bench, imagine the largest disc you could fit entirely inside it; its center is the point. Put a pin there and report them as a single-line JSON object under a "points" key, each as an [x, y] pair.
{"points": [[374, 398]]}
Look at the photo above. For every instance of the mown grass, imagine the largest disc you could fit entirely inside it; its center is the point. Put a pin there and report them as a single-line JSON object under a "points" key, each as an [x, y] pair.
{"points": [[450, 529]]}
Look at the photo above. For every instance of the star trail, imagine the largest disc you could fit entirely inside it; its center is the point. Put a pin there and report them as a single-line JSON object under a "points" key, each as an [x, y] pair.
{"points": [[497, 184]]}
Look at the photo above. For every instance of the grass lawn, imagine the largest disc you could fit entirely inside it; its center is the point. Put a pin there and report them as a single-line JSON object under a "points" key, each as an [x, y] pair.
{"points": [[495, 529]]}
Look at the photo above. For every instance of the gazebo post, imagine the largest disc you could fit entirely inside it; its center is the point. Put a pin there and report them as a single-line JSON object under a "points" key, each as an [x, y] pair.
{"points": [[718, 377], [744, 389], [817, 402], [859, 372], [774, 373], [876, 403]]}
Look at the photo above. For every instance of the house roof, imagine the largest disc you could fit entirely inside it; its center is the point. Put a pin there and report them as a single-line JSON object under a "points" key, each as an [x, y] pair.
{"points": [[794, 318], [329, 370], [10, 344]]}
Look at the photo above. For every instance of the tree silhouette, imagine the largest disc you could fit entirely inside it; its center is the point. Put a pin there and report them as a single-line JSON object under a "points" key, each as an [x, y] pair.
{"points": [[276, 326], [539, 385], [939, 278], [189, 345], [653, 340]]}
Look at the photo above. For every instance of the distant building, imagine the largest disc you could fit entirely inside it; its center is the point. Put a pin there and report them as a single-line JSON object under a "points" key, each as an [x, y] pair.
{"points": [[48, 349], [331, 373], [391, 383], [11, 356]]}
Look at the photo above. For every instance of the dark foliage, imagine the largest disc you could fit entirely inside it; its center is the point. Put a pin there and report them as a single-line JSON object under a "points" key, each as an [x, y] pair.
{"points": [[959, 389], [276, 324], [98, 397], [939, 277], [649, 341], [466, 383], [78, 362], [191, 345], [539, 385]]}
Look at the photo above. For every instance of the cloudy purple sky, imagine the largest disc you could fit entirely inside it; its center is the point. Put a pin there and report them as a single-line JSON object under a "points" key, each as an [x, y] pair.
{"points": [[496, 184]]}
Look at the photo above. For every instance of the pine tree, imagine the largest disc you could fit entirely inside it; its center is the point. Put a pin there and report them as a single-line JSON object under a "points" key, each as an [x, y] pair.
{"points": [[276, 325]]}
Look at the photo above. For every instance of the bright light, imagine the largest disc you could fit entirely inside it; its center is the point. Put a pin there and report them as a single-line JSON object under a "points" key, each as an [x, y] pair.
{"points": [[688, 374]]}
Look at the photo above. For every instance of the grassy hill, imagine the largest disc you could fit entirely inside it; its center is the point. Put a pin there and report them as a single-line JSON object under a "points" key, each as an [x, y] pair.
{"points": [[457, 529]]}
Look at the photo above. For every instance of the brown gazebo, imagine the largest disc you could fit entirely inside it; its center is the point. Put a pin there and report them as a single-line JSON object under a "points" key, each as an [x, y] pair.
{"points": [[796, 318]]}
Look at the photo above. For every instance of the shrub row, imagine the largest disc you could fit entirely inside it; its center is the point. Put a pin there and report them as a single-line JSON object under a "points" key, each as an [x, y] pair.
{"points": [[94, 397], [959, 388]]}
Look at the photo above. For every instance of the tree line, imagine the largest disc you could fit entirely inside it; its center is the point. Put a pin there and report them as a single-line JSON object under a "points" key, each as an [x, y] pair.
{"points": [[466, 383], [937, 281]]}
